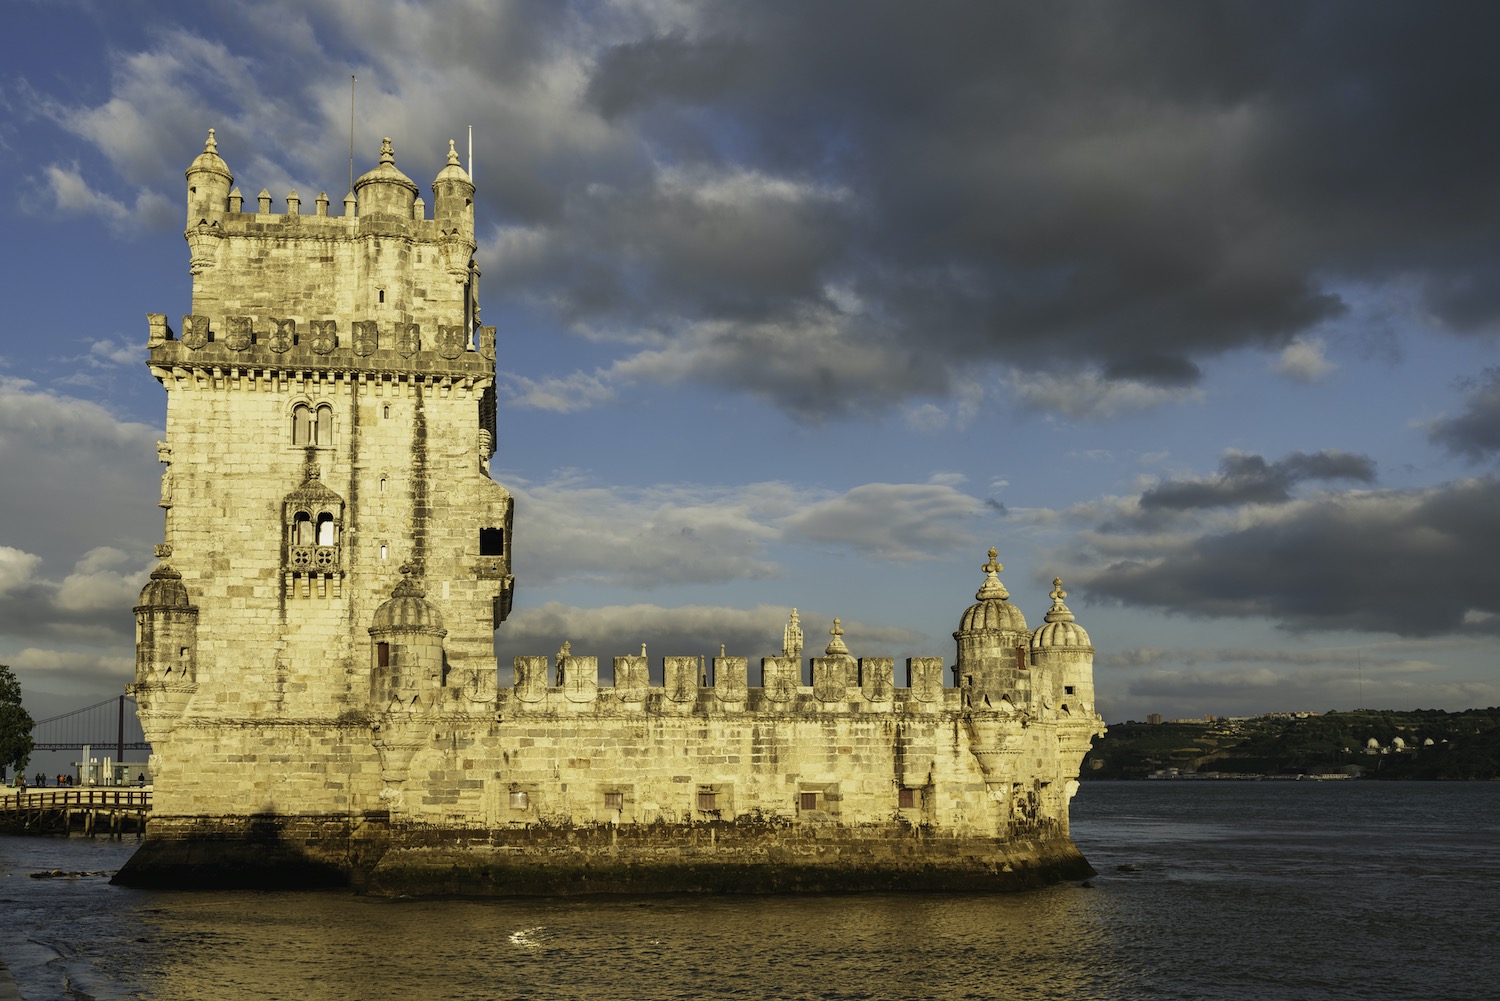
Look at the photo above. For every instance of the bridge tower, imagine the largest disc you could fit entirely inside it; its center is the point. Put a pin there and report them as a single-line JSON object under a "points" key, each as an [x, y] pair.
{"points": [[330, 420]]}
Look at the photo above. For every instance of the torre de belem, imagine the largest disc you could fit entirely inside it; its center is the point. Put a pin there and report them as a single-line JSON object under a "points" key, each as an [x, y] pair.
{"points": [[315, 664]]}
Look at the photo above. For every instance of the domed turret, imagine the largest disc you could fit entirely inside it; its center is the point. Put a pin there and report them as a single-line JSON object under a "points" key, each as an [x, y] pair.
{"points": [[1062, 660], [453, 196], [406, 636], [991, 644], [1059, 628], [385, 190], [408, 611], [209, 181], [164, 590], [166, 650]]}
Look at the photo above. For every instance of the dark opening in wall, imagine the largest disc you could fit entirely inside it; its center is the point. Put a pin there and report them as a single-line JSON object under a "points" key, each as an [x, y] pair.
{"points": [[492, 542], [382, 655]]}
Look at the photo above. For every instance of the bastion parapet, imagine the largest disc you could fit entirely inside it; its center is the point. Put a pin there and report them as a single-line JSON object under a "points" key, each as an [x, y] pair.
{"points": [[315, 666]]}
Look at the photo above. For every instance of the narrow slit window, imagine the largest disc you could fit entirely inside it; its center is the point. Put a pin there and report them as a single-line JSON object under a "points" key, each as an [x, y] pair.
{"points": [[382, 655]]}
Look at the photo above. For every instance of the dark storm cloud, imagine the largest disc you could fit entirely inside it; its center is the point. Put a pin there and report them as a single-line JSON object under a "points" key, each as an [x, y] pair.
{"points": [[933, 189], [1418, 563], [1138, 188], [1251, 479], [1475, 433]]}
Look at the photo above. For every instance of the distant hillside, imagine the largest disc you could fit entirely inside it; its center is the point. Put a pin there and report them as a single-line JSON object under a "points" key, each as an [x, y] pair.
{"points": [[1420, 744]]}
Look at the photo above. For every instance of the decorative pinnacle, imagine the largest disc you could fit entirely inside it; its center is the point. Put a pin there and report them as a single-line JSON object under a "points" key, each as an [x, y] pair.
{"points": [[836, 646], [1058, 612], [387, 155], [452, 155], [992, 588], [212, 145]]}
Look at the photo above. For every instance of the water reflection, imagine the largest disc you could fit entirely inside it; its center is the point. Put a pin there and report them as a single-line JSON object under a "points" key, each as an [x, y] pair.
{"points": [[239, 946]]}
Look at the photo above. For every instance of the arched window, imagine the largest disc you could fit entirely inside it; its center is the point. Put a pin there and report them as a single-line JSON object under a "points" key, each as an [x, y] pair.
{"points": [[312, 426], [302, 530], [327, 531], [323, 428]]}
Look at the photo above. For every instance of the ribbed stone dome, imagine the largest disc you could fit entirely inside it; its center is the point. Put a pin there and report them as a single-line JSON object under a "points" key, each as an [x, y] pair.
{"points": [[386, 173], [408, 610], [1059, 629], [452, 170], [993, 609], [165, 590], [209, 159]]}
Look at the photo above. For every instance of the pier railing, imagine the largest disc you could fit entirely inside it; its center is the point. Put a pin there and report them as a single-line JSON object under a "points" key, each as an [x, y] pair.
{"points": [[60, 811]]}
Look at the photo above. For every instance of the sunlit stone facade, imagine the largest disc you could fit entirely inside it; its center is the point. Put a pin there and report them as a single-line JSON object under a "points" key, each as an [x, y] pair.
{"points": [[315, 666]]}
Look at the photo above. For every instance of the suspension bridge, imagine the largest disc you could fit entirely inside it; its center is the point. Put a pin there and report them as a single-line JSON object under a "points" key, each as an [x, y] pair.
{"points": [[103, 724]]}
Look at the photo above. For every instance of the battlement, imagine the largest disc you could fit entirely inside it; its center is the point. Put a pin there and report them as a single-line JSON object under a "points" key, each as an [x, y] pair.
{"points": [[300, 343], [383, 258], [839, 685]]}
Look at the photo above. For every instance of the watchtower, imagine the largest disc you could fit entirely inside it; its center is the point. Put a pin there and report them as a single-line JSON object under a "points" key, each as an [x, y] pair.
{"points": [[330, 420]]}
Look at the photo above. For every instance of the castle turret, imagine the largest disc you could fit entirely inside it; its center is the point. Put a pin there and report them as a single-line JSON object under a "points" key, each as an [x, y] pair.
{"points": [[385, 191], [453, 197], [166, 650], [407, 663], [992, 640], [1063, 659], [208, 184]]}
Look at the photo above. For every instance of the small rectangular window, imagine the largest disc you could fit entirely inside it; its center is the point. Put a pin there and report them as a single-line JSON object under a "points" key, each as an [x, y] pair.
{"points": [[1067, 689], [809, 800], [492, 542], [519, 800], [614, 801], [382, 655], [906, 799], [708, 800]]}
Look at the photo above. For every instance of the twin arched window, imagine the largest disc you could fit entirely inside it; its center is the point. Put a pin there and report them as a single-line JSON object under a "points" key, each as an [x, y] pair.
{"points": [[312, 425], [307, 532]]}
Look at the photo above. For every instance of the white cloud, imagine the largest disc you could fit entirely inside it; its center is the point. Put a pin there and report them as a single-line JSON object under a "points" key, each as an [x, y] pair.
{"points": [[71, 194], [17, 569], [1304, 361], [1089, 395], [893, 521]]}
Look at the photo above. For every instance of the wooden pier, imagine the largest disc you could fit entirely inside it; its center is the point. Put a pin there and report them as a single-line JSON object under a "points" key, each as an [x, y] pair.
{"points": [[109, 810]]}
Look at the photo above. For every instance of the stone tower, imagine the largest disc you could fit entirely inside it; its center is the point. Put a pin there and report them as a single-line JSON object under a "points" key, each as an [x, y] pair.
{"points": [[330, 420]]}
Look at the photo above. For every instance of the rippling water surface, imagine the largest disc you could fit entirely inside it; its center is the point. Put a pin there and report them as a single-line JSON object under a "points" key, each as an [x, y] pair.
{"points": [[1206, 890]]}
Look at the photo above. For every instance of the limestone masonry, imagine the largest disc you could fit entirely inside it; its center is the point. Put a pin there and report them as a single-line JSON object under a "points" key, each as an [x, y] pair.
{"points": [[315, 662]]}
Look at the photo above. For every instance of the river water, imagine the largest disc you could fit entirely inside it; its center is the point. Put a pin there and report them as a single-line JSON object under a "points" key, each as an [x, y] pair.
{"points": [[1265, 890]]}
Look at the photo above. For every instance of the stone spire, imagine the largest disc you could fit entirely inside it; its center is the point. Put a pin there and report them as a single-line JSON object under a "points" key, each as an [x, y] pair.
{"points": [[387, 154], [791, 638]]}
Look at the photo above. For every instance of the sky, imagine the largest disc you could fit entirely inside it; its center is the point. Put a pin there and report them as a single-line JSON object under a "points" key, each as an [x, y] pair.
{"points": [[1193, 305]]}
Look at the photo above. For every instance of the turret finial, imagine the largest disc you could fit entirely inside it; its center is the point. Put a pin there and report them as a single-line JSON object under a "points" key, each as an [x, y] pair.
{"points": [[212, 145], [1059, 612], [452, 154], [992, 588], [387, 155], [836, 645]]}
